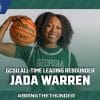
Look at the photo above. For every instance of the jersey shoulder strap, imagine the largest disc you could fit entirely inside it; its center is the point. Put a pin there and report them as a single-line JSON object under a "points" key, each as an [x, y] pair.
{"points": [[30, 55], [69, 56], [69, 59]]}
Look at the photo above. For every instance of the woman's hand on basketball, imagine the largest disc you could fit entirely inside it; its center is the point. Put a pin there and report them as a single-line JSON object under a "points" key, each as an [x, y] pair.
{"points": [[19, 17], [13, 19], [7, 22]]}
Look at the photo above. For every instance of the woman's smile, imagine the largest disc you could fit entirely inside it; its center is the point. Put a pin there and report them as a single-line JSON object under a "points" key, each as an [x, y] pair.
{"points": [[53, 30]]}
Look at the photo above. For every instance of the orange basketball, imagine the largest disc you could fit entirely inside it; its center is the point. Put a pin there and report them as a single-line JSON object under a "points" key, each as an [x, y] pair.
{"points": [[23, 32]]}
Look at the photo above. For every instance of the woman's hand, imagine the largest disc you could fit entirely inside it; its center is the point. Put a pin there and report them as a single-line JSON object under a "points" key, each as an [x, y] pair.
{"points": [[9, 49], [7, 22], [19, 17], [13, 19]]}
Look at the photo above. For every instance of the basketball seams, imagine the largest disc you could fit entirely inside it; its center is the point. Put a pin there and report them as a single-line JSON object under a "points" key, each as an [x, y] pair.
{"points": [[31, 23], [19, 39], [12, 33], [23, 30], [15, 24]]}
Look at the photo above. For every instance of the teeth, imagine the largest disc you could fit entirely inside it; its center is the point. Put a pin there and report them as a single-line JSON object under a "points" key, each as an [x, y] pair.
{"points": [[52, 36]]}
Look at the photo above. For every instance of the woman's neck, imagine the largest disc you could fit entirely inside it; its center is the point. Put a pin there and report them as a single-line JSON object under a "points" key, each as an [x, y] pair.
{"points": [[51, 45]]}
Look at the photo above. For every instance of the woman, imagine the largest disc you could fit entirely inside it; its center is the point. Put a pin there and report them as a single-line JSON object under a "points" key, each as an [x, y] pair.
{"points": [[54, 35]]}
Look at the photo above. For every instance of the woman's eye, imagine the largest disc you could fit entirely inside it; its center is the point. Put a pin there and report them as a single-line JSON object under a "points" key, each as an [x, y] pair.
{"points": [[49, 25], [59, 28]]}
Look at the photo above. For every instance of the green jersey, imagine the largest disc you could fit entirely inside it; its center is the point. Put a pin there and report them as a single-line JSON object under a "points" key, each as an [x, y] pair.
{"points": [[46, 57], [41, 57]]}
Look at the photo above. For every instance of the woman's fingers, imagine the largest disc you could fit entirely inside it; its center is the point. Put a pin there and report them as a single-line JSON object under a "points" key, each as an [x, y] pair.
{"points": [[19, 18], [16, 18]]}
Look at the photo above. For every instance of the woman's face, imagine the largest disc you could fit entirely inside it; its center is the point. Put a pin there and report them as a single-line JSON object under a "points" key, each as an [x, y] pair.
{"points": [[53, 30]]}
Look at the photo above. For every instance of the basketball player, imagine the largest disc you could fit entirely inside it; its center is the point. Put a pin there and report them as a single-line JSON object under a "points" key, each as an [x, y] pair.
{"points": [[54, 36]]}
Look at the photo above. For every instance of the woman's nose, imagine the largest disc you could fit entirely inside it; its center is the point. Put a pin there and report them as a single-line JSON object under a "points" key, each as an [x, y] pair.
{"points": [[53, 29]]}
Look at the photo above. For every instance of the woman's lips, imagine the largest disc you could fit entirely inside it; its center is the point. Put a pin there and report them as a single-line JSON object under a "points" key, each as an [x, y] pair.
{"points": [[52, 36]]}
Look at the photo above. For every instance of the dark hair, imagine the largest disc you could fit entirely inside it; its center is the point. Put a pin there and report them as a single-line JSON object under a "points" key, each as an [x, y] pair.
{"points": [[41, 23]]}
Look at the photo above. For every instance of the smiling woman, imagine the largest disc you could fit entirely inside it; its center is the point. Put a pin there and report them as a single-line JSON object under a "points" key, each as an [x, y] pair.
{"points": [[54, 27], [54, 33]]}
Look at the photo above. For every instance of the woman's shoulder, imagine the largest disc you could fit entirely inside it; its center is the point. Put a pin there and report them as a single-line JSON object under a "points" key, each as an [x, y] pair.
{"points": [[18, 47], [66, 50]]}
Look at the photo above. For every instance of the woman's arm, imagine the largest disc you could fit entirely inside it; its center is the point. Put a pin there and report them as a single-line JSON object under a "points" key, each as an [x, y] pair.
{"points": [[7, 49]]}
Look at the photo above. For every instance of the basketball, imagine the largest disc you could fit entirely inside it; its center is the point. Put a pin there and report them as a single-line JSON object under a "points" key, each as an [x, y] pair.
{"points": [[23, 32]]}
